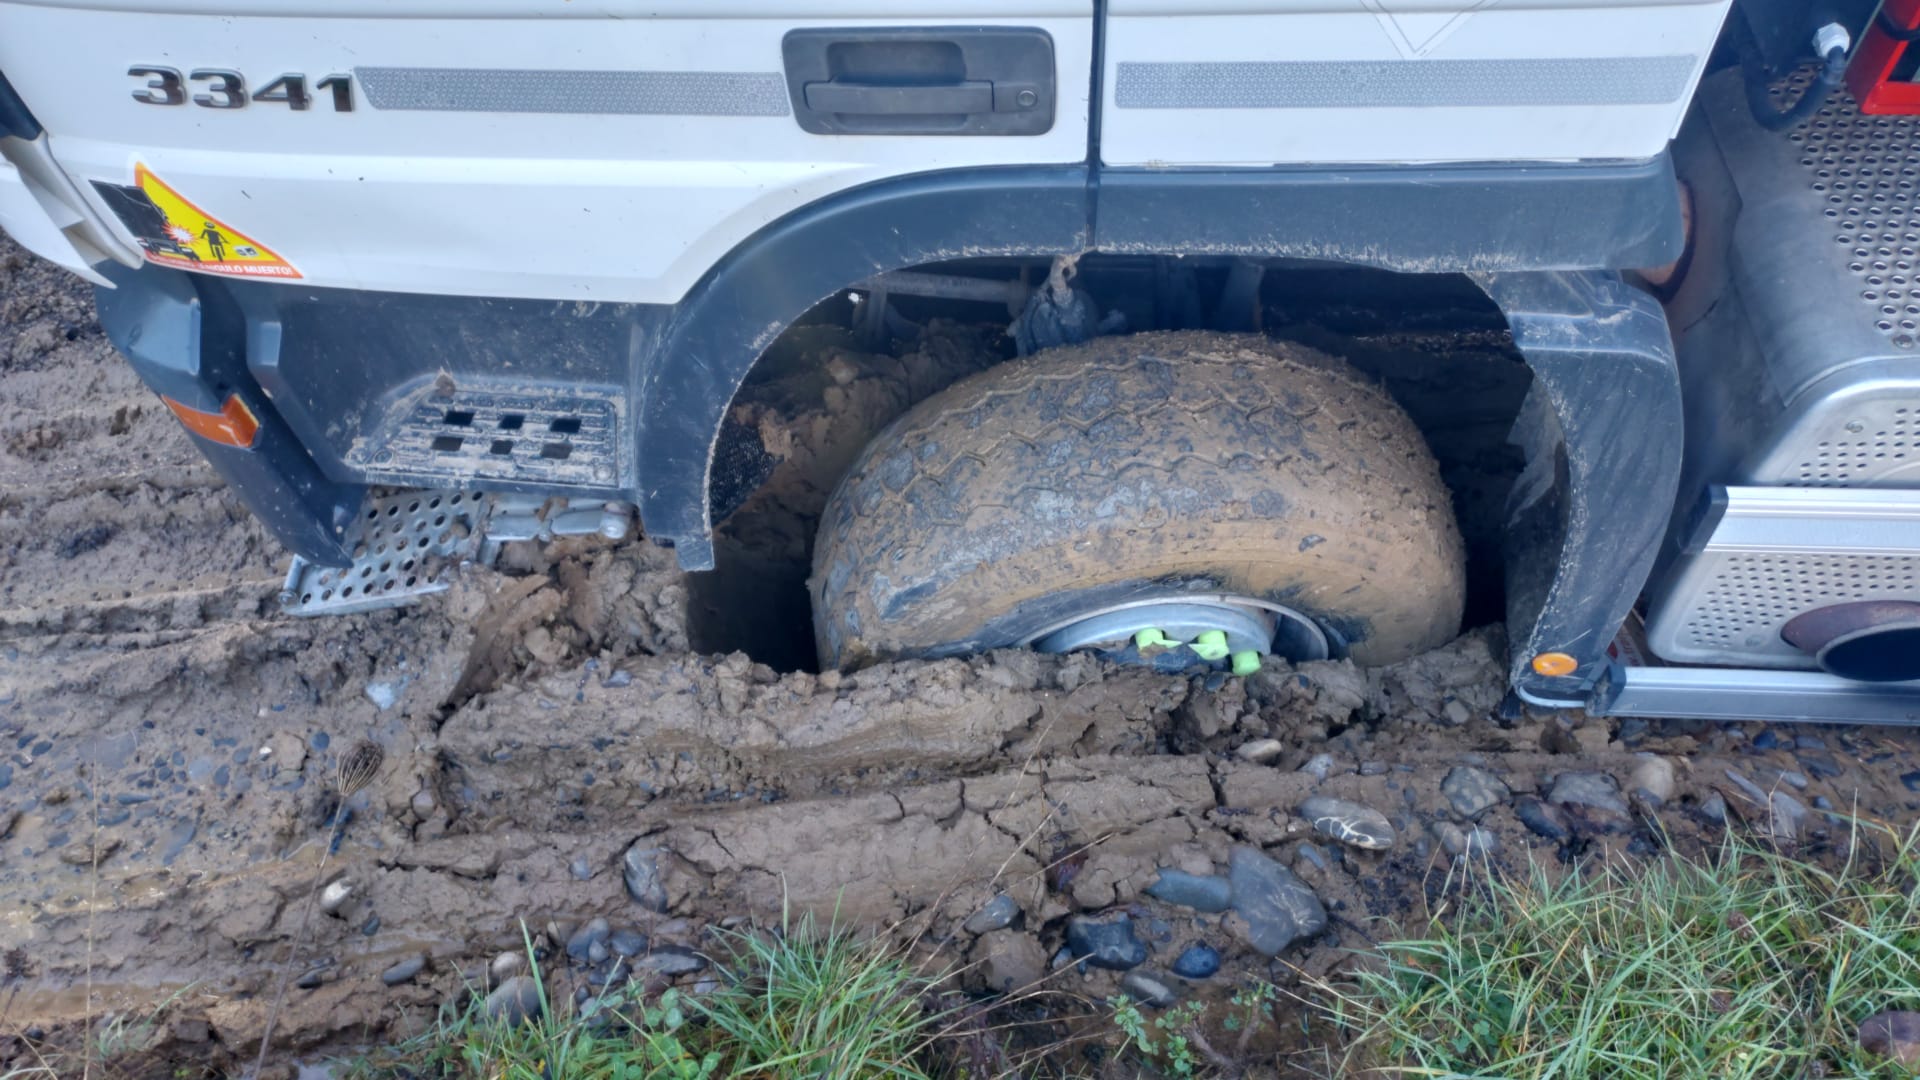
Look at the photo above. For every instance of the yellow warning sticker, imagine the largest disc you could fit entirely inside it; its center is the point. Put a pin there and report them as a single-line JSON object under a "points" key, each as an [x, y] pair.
{"points": [[174, 232]]}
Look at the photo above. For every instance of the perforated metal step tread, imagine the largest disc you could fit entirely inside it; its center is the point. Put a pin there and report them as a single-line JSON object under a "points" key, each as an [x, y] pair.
{"points": [[1776, 553], [449, 437], [405, 545]]}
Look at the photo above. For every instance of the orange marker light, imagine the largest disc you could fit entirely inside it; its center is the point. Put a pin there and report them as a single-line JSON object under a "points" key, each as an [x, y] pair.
{"points": [[1555, 663], [233, 425]]}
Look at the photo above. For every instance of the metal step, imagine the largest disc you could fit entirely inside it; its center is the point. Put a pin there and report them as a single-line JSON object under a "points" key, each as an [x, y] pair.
{"points": [[1765, 555], [407, 543], [1747, 694], [500, 431]]}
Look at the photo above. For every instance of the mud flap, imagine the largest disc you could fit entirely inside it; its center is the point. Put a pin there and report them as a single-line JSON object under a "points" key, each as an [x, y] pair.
{"points": [[1603, 438], [184, 349]]}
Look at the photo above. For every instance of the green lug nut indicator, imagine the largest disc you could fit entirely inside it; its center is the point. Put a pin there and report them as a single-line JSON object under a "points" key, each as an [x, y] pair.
{"points": [[1210, 646]]}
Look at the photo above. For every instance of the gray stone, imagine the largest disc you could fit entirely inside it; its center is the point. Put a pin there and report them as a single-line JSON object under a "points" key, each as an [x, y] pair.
{"points": [[506, 966], [1315, 857], [1319, 766], [1106, 944], [597, 953], [1542, 820], [1452, 837], [1349, 822], [1276, 906], [581, 868], [1009, 960], [1747, 787], [671, 960], [644, 869], [582, 941], [997, 914], [1373, 768], [1472, 791], [1147, 990], [1482, 842], [1198, 961], [1652, 775], [403, 971], [1787, 817], [515, 1001], [335, 896], [627, 942], [1209, 894], [1260, 751], [1714, 808], [1591, 789], [1455, 712]]}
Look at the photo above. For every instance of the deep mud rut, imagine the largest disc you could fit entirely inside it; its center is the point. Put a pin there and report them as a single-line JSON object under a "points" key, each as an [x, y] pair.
{"points": [[169, 742]]}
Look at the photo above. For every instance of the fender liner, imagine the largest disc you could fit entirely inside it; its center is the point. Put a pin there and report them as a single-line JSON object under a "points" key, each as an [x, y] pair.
{"points": [[1602, 430], [718, 332]]}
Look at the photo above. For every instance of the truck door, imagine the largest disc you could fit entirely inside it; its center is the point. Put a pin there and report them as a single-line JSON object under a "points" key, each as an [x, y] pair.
{"points": [[584, 150], [1266, 82]]}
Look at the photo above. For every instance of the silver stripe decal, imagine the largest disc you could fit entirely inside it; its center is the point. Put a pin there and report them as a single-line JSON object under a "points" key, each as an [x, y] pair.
{"points": [[1374, 84], [628, 93]]}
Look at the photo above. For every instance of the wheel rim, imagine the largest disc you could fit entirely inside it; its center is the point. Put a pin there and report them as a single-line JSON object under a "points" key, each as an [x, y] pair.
{"points": [[1215, 627]]}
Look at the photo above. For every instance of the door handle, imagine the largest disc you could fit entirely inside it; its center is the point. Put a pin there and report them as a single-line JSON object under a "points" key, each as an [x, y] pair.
{"points": [[935, 80], [878, 99]]}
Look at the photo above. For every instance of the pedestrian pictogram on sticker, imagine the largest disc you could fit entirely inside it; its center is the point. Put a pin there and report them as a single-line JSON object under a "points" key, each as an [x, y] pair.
{"points": [[174, 232]]}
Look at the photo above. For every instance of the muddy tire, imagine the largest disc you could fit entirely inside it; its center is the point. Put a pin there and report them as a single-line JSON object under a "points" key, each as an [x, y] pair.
{"points": [[1132, 467]]}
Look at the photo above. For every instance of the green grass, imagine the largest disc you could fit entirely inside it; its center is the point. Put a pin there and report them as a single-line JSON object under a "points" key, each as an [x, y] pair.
{"points": [[1751, 964], [803, 1004]]}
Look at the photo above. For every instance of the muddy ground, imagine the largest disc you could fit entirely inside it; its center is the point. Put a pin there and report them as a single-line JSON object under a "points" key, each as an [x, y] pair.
{"points": [[170, 745]]}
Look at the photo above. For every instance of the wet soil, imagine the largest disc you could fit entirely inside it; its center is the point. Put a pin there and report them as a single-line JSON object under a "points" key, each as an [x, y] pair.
{"points": [[170, 748]]}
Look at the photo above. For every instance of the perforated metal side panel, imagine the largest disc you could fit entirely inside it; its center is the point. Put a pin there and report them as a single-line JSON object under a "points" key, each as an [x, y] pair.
{"points": [[483, 431], [1777, 553], [1868, 169]]}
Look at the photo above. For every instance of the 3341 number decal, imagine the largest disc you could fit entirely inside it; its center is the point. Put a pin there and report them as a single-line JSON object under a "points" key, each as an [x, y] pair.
{"points": [[219, 88]]}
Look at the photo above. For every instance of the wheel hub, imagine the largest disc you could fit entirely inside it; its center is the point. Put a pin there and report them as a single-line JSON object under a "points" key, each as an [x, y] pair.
{"points": [[1216, 627]]}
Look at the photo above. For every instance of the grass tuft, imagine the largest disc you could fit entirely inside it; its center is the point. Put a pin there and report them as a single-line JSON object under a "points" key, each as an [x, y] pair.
{"points": [[804, 1003], [1752, 964]]}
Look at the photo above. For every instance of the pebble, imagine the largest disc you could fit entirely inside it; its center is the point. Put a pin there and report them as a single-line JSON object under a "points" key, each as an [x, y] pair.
{"points": [[582, 941], [1541, 819], [1788, 816], [641, 867], [1198, 961], [371, 926], [312, 980], [581, 868], [1634, 731], [1276, 906], [403, 971], [1768, 739], [423, 804], [1010, 960], [1109, 945], [671, 960], [1911, 780], [1472, 791], [627, 942], [1821, 765], [1749, 788], [1809, 742], [1594, 789], [506, 966], [514, 1001], [1209, 894], [1147, 990], [383, 695], [1319, 766], [998, 914], [1260, 751], [1894, 1034], [1652, 775], [597, 953], [1373, 768], [1714, 808], [335, 896], [1316, 857], [1455, 712], [1349, 822]]}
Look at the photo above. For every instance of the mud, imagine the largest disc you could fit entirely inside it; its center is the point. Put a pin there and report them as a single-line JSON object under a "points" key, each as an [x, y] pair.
{"points": [[169, 747]]}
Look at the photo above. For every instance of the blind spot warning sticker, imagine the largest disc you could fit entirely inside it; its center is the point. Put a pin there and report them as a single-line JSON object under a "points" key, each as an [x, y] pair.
{"points": [[174, 232]]}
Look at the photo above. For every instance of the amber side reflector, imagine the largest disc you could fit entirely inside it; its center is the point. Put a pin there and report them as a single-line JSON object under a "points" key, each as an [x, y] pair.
{"points": [[233, 425], [1555, 663]]}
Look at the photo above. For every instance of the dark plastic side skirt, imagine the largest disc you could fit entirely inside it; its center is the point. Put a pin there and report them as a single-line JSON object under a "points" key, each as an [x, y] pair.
{"points": [[1603, 366], [190, 347], [1436, 219]]}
